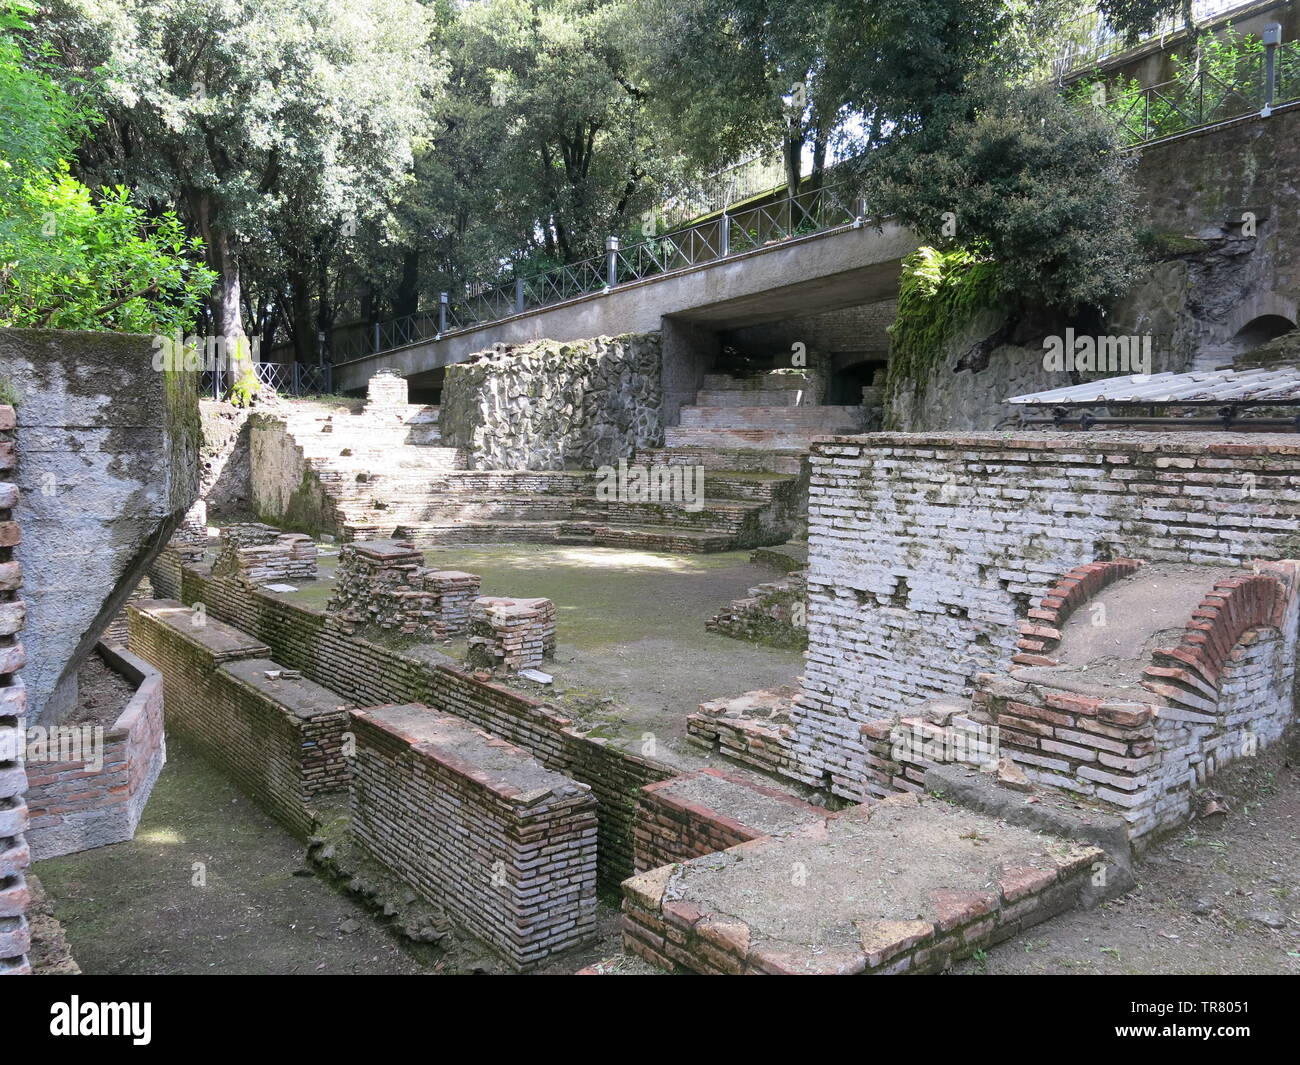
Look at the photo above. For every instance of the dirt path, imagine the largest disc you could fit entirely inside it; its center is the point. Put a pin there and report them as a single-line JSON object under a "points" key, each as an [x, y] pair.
{"points": [[1206, 899], [134, 907]]}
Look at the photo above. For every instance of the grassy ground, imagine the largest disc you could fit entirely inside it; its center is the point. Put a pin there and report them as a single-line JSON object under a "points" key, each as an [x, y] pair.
{"points": [[633, 657]]}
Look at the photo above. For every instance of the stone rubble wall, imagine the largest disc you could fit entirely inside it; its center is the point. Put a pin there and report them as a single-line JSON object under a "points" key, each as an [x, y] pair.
{"points": [[926, 552], [279, 736], [385, 584], [510, 634], [261, 554], [15, 934], [478, 827], [552, 406], [73, 806]]}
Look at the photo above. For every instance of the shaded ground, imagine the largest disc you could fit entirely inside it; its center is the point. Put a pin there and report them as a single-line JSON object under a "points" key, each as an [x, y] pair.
{"points": [[1205, 898], [133, 908]]}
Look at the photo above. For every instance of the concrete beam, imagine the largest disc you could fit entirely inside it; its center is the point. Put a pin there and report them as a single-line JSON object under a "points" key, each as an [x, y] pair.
{"points": [[821, 272]]}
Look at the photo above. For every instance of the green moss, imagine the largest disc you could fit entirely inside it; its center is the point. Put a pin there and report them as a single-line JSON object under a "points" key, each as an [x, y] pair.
{"points": [[8, 394], [939, 293]]}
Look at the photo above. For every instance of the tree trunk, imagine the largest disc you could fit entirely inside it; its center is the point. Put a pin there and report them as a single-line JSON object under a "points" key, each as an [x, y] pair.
{"points": [[304, 327]]}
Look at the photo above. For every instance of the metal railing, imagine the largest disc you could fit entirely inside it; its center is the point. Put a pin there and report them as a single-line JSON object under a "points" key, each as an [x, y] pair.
{"points": [[1262, 81], [287, 378], [731, 233], [1090, 39]]}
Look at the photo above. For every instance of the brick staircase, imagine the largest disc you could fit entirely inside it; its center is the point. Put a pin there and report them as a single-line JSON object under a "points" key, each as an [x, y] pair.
{"points": [[768, 412]]}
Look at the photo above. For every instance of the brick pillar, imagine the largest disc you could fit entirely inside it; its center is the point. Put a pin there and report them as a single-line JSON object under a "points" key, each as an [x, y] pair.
{"points": [[15, 937]]}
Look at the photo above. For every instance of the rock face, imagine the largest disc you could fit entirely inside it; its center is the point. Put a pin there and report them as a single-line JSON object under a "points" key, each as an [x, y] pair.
{"points": [[551, 406], [108, 465]]}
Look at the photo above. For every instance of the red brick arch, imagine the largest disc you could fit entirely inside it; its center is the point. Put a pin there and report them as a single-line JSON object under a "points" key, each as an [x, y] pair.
{"points": [[1041, 634], [1189, 673]]}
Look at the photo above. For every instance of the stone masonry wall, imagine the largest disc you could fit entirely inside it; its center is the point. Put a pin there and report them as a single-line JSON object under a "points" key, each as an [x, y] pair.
{"points": [[478, 827], [927, 551], [551, 406], [15, 938]]}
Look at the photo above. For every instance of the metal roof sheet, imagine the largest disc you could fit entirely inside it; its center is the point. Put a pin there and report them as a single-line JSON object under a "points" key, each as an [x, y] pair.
{"points": [[1260, 385]]}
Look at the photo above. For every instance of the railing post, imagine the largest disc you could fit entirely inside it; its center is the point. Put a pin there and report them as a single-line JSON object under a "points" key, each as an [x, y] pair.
{"points": [[377, 340], [611, 261], [1272, 38], [519, 295], [442, 313], [724, 242]]}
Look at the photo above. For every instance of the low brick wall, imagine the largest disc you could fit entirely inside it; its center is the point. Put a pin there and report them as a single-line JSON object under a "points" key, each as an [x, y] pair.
{"points": [[754, 729], [369, 674], [263, 555], [385, 584], [96, 799], [280, 736], [15, 937], [706, 811], [666, 923], [773, 613], [479, 827]]}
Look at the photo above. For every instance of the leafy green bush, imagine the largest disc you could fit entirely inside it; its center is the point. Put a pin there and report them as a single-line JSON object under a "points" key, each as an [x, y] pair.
{"points": [[71, 259]]}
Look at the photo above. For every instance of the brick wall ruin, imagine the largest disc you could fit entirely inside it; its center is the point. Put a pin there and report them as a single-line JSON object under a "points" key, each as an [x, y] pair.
{"points": [[15, 938], [90, 786], [385, 584], [279, 735], [926, 552], [369, 674], [478, 827], [511, 634], [261, 554]]}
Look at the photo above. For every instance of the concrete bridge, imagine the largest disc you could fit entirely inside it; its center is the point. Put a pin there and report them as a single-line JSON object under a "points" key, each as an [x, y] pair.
{"points": [[848, 265]]}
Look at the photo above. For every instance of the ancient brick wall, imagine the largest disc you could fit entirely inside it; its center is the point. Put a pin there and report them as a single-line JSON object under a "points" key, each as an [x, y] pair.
{"points": [[478, 827], [370, 674], [278, 735], [262, 554], [384, 583], [76, 803], [15, 937], [927, 551], [706, 811]]}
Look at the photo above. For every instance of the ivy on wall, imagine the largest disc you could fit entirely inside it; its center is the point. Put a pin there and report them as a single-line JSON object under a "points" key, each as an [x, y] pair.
{"points": [[939, 293]]}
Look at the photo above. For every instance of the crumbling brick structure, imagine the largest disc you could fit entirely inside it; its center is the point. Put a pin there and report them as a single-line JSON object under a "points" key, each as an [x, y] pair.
{"points": [[385, 584], [15, 937], [261, 555], [279, 735], [387, 392], [479, 827], [511, 634], [88, 787]]}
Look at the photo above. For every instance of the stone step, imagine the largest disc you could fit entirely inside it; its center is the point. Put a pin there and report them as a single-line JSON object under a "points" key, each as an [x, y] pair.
{"points": [[651, 537], [760, 439], [765, 382], [831, 419], [728, 459], [735, 397]]}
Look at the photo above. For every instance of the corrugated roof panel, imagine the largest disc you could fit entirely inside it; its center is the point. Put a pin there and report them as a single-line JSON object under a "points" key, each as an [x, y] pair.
{"points": [[1280, 385]]}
